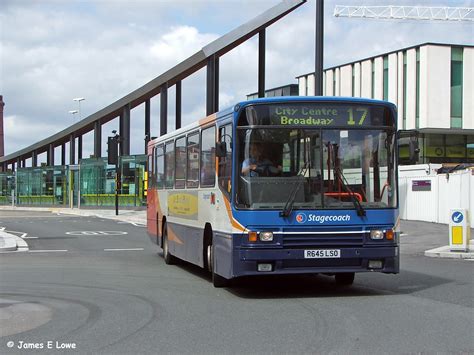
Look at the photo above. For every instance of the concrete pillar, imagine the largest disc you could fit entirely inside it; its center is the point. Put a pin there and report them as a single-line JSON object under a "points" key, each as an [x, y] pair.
{"points": [[261, 63], [79, 149], [147, 123], [163, 109], [72, 150], [178, 105], [125, 131], [212, 87], [50, 155], [97, 139], [63, 154]]}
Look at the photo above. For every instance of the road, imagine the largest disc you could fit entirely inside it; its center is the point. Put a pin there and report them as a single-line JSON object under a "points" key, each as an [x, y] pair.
{"points": [[81, 290]]}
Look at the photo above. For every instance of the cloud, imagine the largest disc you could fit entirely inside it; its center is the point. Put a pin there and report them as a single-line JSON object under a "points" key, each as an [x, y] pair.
{"points": [[53, 51]]}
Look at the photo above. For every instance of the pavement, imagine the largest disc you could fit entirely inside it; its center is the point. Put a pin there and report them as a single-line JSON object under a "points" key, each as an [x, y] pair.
{"points": [[10, 242]]}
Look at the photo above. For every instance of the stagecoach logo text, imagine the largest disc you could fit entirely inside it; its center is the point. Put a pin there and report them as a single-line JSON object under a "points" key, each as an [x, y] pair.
{"points": [[302, 218]]}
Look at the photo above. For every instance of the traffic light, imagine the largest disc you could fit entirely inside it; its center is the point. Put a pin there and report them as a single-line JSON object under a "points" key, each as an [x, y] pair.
{"points": [[112, 150]]}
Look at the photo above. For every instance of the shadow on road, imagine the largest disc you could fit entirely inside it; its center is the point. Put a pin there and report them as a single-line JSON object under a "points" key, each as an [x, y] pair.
{"points": [[312, 285]]}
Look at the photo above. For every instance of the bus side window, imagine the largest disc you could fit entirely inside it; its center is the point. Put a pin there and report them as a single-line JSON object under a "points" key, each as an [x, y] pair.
{"points": [[151, 168], [208, 157], [169, 165], [160, 167], [192, 171], [225, 163], [180, 159]]}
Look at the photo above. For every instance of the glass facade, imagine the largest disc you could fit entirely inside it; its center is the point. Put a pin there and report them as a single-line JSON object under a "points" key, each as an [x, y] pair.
{"points": [[385, 78], [417, 104], [372, 80], [405, 90], [45, 186], [7, 185], [440, 148], [456, 87], [98, 182]]}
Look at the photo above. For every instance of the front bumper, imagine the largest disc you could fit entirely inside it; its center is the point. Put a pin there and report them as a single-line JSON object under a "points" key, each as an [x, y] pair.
{"points": [[292, 261]]}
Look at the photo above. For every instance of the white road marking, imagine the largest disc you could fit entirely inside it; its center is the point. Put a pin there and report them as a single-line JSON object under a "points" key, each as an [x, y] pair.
{"points": [[29, 237], [48, 251], [125, 249]]}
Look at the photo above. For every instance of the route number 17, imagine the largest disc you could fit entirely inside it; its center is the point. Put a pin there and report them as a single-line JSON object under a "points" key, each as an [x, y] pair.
{"points": [[351, 121]]}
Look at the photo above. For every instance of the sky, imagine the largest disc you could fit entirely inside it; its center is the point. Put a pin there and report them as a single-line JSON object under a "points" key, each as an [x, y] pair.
{"points": [[52, 51]]}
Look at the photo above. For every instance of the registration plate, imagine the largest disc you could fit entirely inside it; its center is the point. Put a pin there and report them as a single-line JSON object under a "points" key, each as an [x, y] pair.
{"points": [[322, 253]]}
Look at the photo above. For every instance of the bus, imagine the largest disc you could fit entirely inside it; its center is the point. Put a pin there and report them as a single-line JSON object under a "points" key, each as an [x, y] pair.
{"points": [[287, 185]]}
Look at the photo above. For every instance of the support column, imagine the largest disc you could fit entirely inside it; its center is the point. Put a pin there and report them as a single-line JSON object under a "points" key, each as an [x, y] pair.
{"points": [[23, 163], [125, 131], [212, 92], [63, 154], [34, 159], [18, 163], [79, 149], [318, 70], [163, 109], [72, 150], [261, 63], [97, 139], [50, 155], [147, 123], [177, 123]]}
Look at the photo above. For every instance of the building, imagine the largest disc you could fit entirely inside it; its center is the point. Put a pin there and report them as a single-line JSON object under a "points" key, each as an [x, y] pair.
{"points": [[433, 86], [286, 90]]}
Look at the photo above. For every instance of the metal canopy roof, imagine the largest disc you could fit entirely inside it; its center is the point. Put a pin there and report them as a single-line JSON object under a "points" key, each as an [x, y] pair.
{"points": [[187, 67]]}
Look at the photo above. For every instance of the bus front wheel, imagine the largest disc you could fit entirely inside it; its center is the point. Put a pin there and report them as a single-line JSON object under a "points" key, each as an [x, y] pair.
{"points": [[217, 280], [169, 259], [345, 278]]}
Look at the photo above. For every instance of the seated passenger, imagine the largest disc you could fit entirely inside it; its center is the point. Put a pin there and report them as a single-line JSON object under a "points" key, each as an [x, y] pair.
{"points": [[256, 165]]}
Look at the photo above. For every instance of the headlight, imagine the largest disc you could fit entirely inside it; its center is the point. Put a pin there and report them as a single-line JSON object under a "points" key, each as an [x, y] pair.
{"points": [[376, 234], [266, 236]]}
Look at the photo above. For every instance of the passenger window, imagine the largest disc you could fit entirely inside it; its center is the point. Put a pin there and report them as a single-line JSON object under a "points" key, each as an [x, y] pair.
{"points": [[225, 163], [192, 171], [169, 165], [180, 159], [160, 167], [208, 157]]}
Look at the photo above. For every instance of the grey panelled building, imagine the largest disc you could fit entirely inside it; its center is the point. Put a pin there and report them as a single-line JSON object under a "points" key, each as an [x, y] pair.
{"points": [[433, 86]]}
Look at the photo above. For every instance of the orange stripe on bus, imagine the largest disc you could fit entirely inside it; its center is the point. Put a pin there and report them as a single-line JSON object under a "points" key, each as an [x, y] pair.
{"points": [[235, 224], [208, 119], [173, 237]]}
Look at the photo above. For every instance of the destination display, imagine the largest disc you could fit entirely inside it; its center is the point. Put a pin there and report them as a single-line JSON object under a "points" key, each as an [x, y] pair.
{"points": [[319, 115]]}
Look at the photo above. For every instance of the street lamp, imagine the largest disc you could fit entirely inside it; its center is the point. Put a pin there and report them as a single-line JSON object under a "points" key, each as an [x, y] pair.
{"points": [[78, 100], [73, 112]]}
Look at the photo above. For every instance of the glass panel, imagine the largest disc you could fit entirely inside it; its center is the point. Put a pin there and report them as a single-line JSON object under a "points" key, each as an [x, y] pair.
{"points": [[192, 174], [315, 168], [180, 159], [456, 87], [225, 163], [169, 165], [160, 167], [385, 78], [208, 157]]}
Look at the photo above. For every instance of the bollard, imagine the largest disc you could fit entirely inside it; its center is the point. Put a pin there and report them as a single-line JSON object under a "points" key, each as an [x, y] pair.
{"points": [[459, 230]]}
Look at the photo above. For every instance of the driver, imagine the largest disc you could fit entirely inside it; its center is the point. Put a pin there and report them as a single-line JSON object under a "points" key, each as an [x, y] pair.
{"points": [[256, 165]]}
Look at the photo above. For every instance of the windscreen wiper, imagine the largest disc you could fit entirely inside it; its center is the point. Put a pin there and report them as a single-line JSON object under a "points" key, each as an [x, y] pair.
{"points": [[291, 199], [360, 210]]}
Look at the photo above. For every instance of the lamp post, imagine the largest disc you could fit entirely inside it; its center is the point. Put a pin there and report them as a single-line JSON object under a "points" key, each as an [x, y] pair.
{"points": [[78, 100], [73, 112]]}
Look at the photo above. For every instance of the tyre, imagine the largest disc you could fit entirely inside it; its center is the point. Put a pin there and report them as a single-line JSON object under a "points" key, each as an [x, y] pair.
{"points": [[169, 259], [217, 280], [345, 278]]}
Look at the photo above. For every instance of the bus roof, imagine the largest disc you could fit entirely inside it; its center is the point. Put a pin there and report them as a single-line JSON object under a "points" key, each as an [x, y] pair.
{"points": [[268, 100]]}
